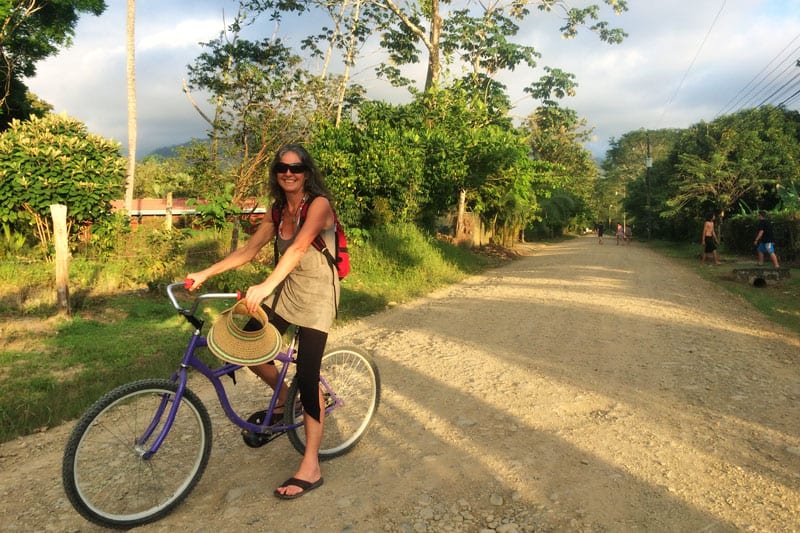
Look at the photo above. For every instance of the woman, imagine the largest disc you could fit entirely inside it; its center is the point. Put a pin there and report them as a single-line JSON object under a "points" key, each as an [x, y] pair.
{"points": [[305, 290]]}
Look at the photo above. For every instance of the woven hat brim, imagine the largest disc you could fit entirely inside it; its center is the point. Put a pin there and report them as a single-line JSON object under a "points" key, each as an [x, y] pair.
{"points": [[229, 343]]}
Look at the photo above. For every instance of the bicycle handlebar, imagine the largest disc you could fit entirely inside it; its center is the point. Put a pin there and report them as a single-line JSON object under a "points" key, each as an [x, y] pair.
{"points": [[208, 296]]}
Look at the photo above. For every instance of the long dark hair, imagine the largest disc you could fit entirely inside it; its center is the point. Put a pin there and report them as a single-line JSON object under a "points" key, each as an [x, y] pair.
{"points": [[314, 185]]}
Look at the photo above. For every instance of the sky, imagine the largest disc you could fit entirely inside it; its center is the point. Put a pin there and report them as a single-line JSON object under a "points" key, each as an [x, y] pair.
{"points": [[684, 61]]}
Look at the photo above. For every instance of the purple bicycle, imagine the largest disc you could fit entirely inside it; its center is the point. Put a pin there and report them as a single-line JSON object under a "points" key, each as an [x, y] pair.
{"points": [[141, 448]]}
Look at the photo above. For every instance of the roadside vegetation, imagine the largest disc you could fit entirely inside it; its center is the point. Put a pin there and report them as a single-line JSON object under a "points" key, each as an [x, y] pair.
{"points": [[52, 369], [452, 160]]}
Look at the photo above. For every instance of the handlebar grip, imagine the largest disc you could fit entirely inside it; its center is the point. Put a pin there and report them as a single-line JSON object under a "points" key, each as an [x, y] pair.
{"points": [[239, 295], [187, 283]]}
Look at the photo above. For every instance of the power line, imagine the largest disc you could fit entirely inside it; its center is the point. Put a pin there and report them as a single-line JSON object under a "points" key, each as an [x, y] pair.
{"points": [[778, 90], [776, 79], [733, 102], [699, 48], [792, 96]]}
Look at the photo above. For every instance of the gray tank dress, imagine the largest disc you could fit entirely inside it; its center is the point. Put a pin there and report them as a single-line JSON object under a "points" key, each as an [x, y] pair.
{"points": [[310, 293]]}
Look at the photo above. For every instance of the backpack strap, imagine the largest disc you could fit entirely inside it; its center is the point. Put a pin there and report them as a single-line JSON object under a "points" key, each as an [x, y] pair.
{"points": [[318, 242], [276, 219]]}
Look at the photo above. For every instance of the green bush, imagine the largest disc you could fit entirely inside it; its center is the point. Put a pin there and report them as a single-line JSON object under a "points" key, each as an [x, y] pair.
{"points": [[123, 333], [55, 160], [164, 262], [740, 230]]}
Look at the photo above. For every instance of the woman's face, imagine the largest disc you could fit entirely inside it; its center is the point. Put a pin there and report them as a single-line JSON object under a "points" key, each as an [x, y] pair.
{"points": [[291, 173]]}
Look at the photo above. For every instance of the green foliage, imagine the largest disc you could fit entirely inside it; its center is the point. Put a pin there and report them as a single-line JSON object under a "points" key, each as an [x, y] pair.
{"points": [[31, 32], [741, 229], [556, 139], [163, 263], [122, 336], [376, 159], [736, 157], [738, 163], [11, 242], [54, 160], [156, 176], [108, 235], [400, 162], [217, 209]]}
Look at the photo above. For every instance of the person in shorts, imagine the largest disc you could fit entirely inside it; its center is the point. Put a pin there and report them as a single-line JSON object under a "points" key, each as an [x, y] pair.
{"points": [[709, 240], [765, 240]]}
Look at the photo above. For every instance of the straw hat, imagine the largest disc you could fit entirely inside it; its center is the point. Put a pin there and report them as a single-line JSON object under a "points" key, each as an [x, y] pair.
{"points": [[228, 341]]}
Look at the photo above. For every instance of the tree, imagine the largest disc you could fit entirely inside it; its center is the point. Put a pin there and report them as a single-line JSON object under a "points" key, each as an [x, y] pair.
{"points": [[739, 157], [480, 39], [31, 30], [130, 75], [627, 180], [556, 137], [55, 160], [157, 176]]}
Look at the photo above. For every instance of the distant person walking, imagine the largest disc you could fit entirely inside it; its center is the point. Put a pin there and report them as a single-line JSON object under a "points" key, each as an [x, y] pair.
{"points": [[709, 240], [765, 240], [600, 233], [628, 234], [620, 234]]}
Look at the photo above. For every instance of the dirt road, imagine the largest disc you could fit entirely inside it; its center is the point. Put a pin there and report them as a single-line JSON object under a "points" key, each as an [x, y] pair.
{"points": [[580, 388]]}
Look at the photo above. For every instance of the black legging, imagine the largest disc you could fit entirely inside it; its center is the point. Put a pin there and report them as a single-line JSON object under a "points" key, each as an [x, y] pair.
{"points": [[309, 359]]}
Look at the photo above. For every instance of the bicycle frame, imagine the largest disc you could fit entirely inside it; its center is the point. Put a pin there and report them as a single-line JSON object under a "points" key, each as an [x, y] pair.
{"points": [[122, 466], [214, 375]]}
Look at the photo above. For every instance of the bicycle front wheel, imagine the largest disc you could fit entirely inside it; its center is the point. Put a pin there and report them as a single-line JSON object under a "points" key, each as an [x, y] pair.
{"points": [[105, 473], [351, 400]]}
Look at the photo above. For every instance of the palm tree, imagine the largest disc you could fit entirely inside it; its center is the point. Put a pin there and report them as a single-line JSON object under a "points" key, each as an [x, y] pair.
{"points": [[131, 79]]}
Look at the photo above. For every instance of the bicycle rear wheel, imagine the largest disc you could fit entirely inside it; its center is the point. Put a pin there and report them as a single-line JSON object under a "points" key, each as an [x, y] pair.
{"points": [[354, 381], [105, 475]]}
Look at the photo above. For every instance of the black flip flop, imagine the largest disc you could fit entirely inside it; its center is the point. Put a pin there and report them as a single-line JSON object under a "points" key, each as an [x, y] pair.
{"points": [[307, 486]]}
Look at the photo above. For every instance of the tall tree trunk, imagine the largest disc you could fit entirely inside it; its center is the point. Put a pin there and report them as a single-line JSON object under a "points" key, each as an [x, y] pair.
{"points": [[130, 62], [431, 41], [462, 208], [351, 51], [434, 61]]}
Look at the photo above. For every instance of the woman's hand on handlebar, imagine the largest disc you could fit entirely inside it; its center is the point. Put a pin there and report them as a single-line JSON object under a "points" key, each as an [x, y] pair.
{"points": [[194, 280]]}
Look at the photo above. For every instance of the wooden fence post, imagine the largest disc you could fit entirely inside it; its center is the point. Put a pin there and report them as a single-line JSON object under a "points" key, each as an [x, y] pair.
{"points": [[168, 221], [59, 214]]}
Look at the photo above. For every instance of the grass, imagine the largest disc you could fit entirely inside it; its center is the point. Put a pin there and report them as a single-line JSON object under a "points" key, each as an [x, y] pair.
{"points": [[779, 302], [52, 369]]}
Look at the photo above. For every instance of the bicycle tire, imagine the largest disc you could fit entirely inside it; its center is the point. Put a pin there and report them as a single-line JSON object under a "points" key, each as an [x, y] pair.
{"points": [[354, 379], [105, 476]]}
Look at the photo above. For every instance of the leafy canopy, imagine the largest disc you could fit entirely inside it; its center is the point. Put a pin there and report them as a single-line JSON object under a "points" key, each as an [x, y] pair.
{"points": [[55, 160]]}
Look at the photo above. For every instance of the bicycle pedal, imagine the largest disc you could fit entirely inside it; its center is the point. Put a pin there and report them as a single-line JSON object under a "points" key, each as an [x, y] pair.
{"points": [[257, 440]]}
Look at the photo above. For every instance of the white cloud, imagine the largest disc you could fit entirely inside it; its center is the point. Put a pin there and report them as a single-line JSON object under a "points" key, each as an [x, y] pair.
{"points": [[184, 35]]}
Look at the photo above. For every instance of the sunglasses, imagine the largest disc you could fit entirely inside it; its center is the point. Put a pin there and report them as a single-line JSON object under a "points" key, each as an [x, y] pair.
{"points": [[296, 168]]}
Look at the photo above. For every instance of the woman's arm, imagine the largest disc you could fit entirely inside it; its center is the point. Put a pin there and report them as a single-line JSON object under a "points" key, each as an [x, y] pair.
{"points": [[265, 232]]}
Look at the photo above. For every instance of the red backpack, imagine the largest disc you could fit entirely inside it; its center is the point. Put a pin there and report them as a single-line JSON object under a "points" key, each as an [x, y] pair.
{"points": [[340, 258]]}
